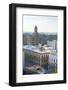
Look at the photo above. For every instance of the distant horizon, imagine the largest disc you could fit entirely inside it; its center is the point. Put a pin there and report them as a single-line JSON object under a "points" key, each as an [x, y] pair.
{"points": [[42, 32]]}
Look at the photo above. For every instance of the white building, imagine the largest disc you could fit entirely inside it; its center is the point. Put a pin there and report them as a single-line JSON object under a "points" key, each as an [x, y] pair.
{"points": [[52, 44], [53, 59]]}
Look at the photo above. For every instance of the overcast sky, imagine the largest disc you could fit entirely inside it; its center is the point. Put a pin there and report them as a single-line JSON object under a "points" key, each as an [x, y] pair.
{"points": [[44, 23]]}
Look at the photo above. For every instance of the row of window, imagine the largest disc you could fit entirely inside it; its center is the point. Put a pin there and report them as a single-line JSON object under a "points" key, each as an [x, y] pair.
{"points": [[43, 58]]}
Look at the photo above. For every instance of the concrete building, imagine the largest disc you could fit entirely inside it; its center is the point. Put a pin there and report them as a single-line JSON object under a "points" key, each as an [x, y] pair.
{"points": [[28, 40], [35, 54]]}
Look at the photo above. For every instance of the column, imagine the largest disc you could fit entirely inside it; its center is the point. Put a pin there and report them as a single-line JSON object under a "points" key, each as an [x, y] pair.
{"points": [[45, 58], [40, 60]]}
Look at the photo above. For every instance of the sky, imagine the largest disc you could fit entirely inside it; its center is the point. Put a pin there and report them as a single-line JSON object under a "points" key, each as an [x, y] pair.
{"points": [[44, 23]]}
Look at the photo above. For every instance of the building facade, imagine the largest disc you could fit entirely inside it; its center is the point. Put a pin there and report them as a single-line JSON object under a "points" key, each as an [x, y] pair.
{"points": [[36, 55], [52, 44]]}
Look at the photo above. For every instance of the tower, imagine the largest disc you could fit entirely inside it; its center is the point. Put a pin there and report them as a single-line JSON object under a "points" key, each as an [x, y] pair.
{"points": [[35, 29], [35, 36]]}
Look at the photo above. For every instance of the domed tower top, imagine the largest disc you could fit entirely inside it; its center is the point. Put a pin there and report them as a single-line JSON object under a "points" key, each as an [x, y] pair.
{"points": [[35, 29]]}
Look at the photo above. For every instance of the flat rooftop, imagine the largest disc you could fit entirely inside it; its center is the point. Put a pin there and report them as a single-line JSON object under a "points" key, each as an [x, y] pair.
{"points": [[36, 49]]}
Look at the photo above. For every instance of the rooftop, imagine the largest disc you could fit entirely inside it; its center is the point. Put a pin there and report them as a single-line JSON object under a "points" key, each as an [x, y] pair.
{"points": [[37, 49]]}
